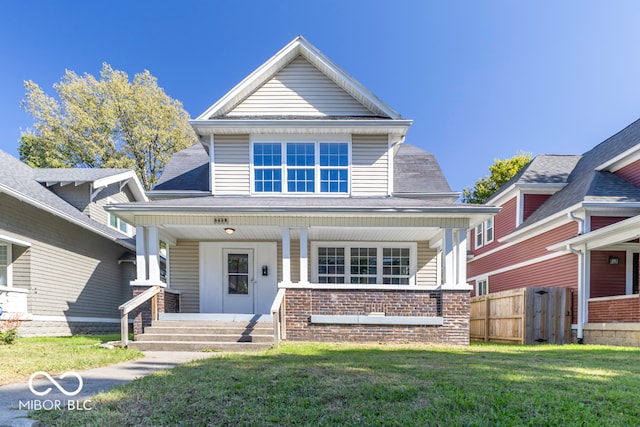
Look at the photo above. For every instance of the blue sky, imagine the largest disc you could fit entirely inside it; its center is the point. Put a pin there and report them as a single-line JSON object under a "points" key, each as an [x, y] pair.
{"points": [[481, 79]]}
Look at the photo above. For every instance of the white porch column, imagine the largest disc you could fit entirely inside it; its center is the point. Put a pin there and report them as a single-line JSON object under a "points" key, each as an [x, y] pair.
{"points": [[286, 255], [141, 255], [449, 260], [154, 255], [461, 257], [304, 265]]}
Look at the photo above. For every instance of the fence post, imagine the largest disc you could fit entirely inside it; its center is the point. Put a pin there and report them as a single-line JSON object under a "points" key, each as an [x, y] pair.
{"points": [[487, 308]]}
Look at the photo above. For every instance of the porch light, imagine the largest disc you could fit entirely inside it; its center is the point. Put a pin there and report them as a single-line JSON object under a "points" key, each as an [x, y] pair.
{"points": [[229, 230], [613, 260]]}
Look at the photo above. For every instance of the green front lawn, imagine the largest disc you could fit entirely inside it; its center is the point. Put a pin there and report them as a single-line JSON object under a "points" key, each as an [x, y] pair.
{"points": [[334, 384], [58, 354]]}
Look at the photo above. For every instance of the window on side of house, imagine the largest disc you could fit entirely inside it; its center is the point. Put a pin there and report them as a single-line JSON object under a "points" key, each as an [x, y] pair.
{"points": [[479, 240], [334, 167], [365, 264], [119, 224], [488, 230], [5, 260], [482, 287]]}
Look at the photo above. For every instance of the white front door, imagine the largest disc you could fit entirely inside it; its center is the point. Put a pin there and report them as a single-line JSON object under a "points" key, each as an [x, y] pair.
{"points": [[238, 281], [236, 290]]}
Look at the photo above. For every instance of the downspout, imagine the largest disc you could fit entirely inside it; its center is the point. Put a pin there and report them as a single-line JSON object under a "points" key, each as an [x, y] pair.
{"points": [[582, 297]]}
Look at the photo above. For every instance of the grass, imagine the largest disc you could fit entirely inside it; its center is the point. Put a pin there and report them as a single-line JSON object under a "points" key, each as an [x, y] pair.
{"points": [[57, 355], [333, 384]]}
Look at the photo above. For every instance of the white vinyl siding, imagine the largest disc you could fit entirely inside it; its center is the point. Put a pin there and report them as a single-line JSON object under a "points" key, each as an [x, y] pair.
{"points": [[427, 273], [369, 166], [184, 274], [232, 165], [300, 89]]}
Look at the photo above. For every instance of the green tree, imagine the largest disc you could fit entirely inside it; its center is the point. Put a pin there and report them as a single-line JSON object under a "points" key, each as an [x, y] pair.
{"points": [[500, 172], [105, 122]]}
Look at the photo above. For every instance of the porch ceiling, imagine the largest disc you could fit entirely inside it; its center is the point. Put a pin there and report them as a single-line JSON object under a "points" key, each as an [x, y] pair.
{"points": [[246, 232]]}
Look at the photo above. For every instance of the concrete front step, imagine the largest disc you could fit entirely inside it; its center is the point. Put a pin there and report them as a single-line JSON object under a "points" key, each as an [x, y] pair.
{"points": [[184, 330], [213, 337], [190, 335], [210, 324], [198, 346]]}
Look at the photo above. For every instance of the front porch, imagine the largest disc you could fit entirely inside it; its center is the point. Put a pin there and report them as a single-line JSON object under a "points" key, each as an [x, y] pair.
{"points": [[365, 277], [608, 279]]}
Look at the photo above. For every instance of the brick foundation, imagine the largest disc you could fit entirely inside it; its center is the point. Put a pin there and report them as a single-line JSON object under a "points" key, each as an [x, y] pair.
{"points": [[452, 305]]}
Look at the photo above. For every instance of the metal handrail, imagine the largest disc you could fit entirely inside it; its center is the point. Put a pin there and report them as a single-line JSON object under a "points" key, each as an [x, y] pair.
{"points": [[278, 310], [132, 304]]}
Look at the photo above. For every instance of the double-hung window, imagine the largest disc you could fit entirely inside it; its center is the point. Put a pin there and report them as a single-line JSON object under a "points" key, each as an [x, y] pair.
{"points": [[365, 264], [301, 167], [267, 167]]}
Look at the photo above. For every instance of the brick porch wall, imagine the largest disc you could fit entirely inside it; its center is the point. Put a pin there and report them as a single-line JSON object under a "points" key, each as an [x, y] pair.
{"points": [[452, 306], [168, 302], [616, 309]]}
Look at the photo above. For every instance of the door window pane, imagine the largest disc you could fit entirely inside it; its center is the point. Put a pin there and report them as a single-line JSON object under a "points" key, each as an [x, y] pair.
{"points": [[238, 273]]}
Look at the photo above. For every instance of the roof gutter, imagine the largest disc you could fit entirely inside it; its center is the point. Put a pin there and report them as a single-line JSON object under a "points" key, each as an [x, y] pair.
{"points": [[22, 197]]}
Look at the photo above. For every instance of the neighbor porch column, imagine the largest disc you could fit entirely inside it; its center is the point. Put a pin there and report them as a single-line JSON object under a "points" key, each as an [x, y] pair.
{"points": [[304, 265], [286, 256]]}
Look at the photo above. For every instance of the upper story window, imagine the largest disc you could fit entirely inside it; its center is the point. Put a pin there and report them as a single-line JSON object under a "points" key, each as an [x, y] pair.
{"points": [[479, 233], [488, 230], [483, 233], [120, 225], [306, 167]]}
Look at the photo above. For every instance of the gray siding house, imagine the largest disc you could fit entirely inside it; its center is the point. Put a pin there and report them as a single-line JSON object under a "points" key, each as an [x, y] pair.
{"points": [[65, 263], [302, 204]]}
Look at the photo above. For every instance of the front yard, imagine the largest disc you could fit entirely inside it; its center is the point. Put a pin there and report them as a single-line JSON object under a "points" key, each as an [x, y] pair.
{"points": [[335, 384], [57, 355]]}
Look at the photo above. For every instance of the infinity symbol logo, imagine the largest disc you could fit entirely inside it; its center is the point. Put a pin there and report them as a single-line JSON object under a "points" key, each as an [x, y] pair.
{"points": [[55, 383]]}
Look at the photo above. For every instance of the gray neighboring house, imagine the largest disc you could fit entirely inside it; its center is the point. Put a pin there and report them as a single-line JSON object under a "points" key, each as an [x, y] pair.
{"points": [[65, 263]]}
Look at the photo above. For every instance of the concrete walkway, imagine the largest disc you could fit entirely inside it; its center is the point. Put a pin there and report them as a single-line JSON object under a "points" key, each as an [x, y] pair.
{"points": [[17, 399]]}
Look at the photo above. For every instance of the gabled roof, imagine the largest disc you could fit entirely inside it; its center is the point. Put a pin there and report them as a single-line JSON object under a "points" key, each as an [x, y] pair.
{"points": [[19, 180], [298, 47], [543, 171], [98, 177], [586, 183]]}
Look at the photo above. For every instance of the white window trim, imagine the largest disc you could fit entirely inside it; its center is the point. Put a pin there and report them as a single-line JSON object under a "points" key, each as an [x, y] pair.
{"points": [[283, 140], [413, 261], [485, 280], [493, 231], [9, 264], [475, 236], [130, 229]]}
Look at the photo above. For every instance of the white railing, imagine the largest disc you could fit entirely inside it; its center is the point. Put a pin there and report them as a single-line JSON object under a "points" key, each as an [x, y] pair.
{"points": [[134, 303], [278, 312]]}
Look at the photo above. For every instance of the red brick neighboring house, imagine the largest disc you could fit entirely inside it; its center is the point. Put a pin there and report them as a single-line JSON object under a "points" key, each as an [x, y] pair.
{"points": [[571, 221]]}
